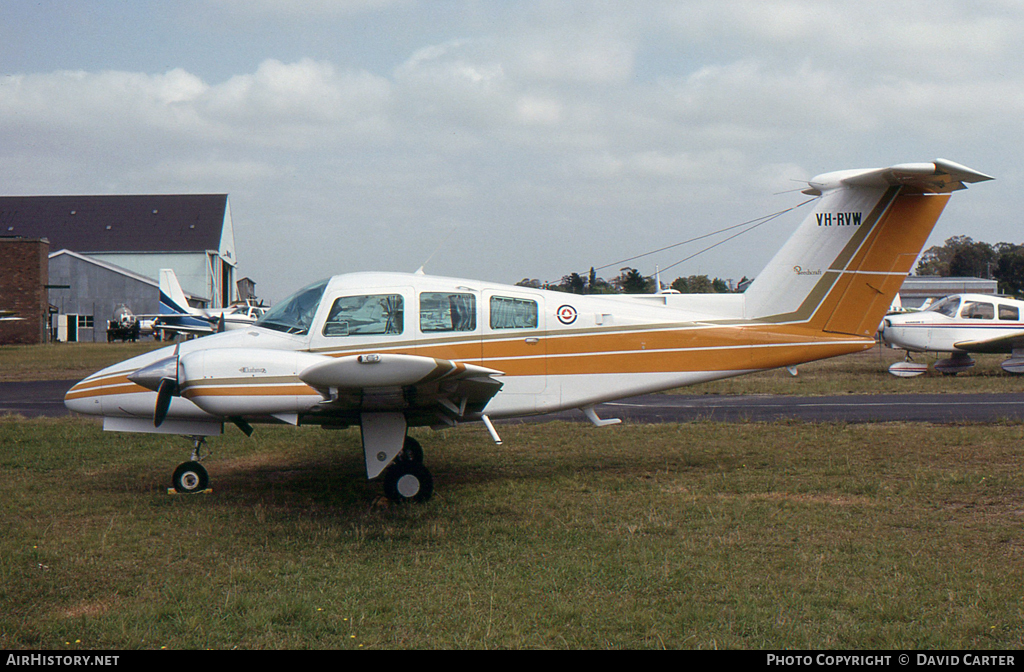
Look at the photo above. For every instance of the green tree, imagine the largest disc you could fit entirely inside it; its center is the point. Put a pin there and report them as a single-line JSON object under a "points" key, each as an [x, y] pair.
{"points": [[633, 282], [695, 284], [1009, 268], [574, 283], [958, 256]]}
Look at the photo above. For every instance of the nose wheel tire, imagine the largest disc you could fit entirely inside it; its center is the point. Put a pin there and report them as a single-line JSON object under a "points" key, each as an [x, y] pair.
{"points": [[190, 477], [408, 482]]}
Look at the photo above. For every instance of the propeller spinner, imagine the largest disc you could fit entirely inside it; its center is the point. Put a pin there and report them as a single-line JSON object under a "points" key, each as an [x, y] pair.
{"points": [[162, 378]]}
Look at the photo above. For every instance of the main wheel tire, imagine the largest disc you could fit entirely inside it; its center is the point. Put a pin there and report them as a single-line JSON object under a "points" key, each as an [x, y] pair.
{"points": [[408, 482], [190, 477], [412, 452]]}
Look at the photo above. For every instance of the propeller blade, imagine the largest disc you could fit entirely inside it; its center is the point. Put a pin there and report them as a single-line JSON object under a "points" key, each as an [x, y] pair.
{"points": [[163, 400]]}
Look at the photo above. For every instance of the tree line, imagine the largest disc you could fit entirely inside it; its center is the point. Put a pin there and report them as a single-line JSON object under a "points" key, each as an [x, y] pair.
{"points": [[959, 256], [962, 256], [632, 281]]}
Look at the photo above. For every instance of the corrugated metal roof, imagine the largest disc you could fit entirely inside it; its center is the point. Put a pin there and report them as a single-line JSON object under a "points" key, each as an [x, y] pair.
{"points": [[92, 224]]}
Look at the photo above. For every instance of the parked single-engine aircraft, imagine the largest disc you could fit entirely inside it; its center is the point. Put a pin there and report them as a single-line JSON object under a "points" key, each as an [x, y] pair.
{"points": [[959, 324], [389, 351], [176, 315]]}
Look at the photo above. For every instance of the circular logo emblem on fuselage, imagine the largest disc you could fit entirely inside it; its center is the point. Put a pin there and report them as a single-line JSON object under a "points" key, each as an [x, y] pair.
{"points": [[566, 314]]}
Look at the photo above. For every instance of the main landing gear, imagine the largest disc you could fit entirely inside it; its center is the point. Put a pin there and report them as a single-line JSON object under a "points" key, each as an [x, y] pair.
{"points": [[407, 480], [390, 452], [191, 477]]}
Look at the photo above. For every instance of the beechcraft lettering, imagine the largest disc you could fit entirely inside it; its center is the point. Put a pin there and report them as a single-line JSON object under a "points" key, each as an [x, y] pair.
{"points": [[838, 218], [385, 352]]}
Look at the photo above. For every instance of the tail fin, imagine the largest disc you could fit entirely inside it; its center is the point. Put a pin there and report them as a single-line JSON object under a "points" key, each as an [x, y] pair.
{"points": [[172, 298], [843, 266]]}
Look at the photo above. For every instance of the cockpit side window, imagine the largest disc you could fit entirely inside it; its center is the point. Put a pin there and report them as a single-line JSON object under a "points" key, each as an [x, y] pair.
{"points": [[947, 307], [295, 314], [976, 310], [447, 311], [366, 315]]}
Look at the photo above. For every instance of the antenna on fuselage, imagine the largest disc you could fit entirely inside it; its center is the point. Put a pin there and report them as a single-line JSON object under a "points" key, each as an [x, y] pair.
{"points": [[420, 271]]}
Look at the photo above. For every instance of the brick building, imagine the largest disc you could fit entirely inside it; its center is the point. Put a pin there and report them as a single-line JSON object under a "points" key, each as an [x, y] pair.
{"points": [[23, 277]]}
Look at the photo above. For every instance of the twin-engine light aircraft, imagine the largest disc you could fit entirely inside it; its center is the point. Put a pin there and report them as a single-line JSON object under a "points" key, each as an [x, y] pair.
{"points": [[960, 324], [389, 351]]}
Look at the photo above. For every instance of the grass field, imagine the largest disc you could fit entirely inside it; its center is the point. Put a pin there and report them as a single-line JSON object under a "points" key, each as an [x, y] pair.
{"points": [[698, 535]]}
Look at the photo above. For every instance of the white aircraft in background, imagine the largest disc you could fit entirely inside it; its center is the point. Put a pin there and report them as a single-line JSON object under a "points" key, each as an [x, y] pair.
{"points": [[389, 351], [9, 316], [959, 324], [176, 315]]}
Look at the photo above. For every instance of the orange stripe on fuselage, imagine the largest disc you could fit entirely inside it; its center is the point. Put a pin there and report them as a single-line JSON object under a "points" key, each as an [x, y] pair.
{"points": [[276, 390]]}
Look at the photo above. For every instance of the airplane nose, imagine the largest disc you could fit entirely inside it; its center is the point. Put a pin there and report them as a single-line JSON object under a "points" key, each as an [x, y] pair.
{"points": [[78, 400]]}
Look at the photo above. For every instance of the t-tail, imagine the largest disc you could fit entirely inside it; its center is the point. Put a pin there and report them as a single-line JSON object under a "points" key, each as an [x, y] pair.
{"points": [[841, 269]]}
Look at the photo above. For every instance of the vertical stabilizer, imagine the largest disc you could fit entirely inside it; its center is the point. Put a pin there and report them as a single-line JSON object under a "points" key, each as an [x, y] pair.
{"points": [[843, 266], [172, 298]]}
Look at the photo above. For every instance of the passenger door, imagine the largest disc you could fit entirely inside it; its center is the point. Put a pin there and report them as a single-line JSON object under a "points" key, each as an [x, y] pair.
{"points": [[514, 341]]}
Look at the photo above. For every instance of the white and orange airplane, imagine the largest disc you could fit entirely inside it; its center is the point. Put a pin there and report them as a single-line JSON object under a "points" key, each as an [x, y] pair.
{"points": [[389, 351]]}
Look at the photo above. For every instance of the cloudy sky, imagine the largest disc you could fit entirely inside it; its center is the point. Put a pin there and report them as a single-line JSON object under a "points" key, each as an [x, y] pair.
{"points": [[506, 139]]}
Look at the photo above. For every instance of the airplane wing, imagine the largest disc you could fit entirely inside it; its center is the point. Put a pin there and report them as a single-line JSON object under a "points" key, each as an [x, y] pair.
{"points": [[1004, 343], [436, 391]]}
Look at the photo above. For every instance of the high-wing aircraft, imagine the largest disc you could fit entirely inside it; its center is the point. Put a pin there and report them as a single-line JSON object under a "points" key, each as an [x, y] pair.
{"points": [[389, 351], [960, 325], [176, 315]]}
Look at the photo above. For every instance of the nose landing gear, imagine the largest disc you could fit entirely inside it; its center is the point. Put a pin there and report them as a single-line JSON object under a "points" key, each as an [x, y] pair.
{"points": [[191, 477]]}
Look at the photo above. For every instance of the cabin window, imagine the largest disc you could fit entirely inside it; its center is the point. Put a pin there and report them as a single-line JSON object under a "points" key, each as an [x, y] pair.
{"points": [[975, 310], [447, 311], [371, 314], [509, 313], [947, 307], [1009, 313], [295, 314]]}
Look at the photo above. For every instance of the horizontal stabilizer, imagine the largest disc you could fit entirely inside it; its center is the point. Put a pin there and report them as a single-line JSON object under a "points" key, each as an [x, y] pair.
{"points": [[939, 177]]}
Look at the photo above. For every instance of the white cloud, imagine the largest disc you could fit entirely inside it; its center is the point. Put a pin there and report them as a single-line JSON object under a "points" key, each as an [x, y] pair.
{"points": [[309, 7], [528, 123]]}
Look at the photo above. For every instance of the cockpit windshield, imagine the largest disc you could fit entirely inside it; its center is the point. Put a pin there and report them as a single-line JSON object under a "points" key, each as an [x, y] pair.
{"points": [[295, 314], [947, 306]]}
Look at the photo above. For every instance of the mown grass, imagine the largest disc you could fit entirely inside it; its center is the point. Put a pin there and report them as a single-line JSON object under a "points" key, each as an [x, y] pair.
{"points": [[65, 361], [698, 535]]}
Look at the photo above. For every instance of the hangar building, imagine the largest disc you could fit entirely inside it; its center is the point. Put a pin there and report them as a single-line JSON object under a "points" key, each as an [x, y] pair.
{"points": [[107, 251]]}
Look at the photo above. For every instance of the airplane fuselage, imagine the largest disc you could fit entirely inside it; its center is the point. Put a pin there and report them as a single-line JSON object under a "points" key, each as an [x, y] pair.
{"points": [[555, 350], [958, 323]]}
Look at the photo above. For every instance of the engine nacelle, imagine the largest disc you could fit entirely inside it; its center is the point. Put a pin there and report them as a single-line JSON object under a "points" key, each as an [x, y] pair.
{"points": [[230, 382]]}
